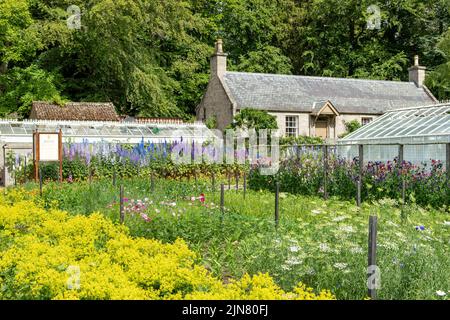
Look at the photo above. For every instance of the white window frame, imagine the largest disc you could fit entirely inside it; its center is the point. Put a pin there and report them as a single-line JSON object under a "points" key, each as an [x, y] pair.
{"points": [[291, 130]]}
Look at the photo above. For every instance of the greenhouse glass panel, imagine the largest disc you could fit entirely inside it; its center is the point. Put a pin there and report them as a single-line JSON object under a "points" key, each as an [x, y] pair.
{"points": [[424, 132], [15, 131]]}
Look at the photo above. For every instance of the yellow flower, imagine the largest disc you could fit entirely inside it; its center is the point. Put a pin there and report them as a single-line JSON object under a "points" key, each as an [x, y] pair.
{"points": [[48, 254]]}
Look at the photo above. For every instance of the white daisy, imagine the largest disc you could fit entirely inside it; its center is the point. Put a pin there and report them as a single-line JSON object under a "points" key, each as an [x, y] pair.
{"points": [[293, 261], [340, 265], [440, 293], [347, 229], [324, 247], [356, 250]]}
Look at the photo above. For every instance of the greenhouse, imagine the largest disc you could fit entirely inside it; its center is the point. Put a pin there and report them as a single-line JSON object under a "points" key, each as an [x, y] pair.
{"points": [[423, 133], [17, 136], [15, 131]]}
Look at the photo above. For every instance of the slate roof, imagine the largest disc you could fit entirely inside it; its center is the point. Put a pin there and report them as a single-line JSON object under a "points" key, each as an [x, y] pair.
{"points": [[78, 111], [299, 93]]}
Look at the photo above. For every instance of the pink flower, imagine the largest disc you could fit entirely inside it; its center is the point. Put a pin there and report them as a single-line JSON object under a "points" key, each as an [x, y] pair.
{"points": [[202, 198], [145, 217]]}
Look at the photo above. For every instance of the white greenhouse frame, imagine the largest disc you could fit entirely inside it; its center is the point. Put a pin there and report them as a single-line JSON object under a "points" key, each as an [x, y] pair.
{"points": [[424, 133], [15, 131], [416, 125]]}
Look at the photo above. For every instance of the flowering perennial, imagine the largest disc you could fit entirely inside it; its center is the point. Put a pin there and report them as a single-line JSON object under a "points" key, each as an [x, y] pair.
{"points": [[48, 254]]}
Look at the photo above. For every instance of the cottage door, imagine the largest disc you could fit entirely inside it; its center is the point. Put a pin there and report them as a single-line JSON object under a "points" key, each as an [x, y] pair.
{"points": [[322, 129]]}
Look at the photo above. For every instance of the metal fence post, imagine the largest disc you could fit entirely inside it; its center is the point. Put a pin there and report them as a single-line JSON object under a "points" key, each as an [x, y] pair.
{"points": [[400, 155], [122, 213], [40, 182], [245, 184], [447, 164], [358, 193], [222, 198], [360, 175], [152, 182], [277, 204], [372, 272], [325, 175], [25, 170], [404, 190]]}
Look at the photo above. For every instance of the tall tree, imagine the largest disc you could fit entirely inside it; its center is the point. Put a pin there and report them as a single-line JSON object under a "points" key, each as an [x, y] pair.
{"points": [[333, 37], [18, 35]]}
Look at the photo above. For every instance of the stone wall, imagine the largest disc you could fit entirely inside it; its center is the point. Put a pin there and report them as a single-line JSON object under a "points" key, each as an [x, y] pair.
{"points": [[216, 103], [303, 122]]}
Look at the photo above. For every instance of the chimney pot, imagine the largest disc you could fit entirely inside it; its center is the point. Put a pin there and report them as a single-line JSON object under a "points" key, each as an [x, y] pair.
{"points": [[417, 73], [218, 60], [219, 46]]}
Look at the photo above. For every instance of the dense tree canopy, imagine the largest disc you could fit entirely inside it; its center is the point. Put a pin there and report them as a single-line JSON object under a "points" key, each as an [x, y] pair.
{"points": [[151, 57]]}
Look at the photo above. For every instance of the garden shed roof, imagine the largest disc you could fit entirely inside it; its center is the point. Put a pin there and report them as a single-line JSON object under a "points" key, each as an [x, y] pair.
{"points": [[80, 111]]}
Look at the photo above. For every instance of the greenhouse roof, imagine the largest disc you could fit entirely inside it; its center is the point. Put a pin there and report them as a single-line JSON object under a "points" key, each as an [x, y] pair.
{"points": [[427, 124], [108, 130]]}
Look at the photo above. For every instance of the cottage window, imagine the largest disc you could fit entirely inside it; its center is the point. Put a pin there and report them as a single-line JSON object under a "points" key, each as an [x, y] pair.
{"points": [[291, 126], [365, 121]]}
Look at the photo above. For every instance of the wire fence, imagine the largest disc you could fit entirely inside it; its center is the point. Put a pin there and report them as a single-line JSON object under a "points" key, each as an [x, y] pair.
{"points": [[416, 154]]}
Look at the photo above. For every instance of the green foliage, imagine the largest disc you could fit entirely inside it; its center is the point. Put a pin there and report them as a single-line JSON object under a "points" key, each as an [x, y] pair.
{"points": [[304, 175], [18, 35], [23, 86], [10, 162], [151, 57], [290, 141], [330, 37], [254, 119], [439, 79], [266, 60], [211, 122], [350, 126]]}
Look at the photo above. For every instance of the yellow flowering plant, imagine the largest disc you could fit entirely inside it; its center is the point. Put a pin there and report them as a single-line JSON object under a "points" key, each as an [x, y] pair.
{"points": [[48, 254]]}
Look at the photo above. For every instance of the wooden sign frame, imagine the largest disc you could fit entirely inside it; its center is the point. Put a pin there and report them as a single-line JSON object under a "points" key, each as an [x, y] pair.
{"points": [[36, 152]]}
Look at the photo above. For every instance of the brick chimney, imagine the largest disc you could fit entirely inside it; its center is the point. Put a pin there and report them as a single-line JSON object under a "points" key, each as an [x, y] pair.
{"points": [[417, 73], [218, 60]]}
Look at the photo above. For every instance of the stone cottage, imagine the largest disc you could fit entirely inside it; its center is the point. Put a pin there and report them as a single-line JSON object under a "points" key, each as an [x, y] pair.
{"points": [[304, 105]]}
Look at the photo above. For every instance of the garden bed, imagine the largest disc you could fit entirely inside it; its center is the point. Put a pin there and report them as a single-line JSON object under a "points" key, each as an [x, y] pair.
{"points": [[320, 243]]}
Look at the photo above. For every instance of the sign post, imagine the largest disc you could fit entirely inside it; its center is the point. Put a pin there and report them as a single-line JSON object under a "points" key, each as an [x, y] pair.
{"points": [[47, 146]]}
